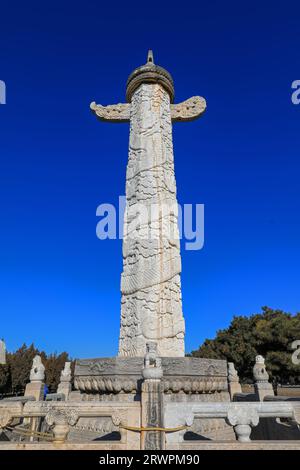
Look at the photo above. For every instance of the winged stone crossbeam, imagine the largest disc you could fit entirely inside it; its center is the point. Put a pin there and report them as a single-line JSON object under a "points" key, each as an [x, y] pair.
{"points": [[112, 113], [187, 110]]}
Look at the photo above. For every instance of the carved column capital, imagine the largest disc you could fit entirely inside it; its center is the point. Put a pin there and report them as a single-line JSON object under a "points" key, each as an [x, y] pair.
{"points": [[242, 418], [232, 373], [62, 419], [242, 415], [233, 380], [37, 373]]}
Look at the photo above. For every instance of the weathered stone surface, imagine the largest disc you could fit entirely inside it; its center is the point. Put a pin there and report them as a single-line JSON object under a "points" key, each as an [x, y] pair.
{"points": [[112, 113], [242, 416], [75, 418], [2, 352], [35, 388], [260, 373], [262, 386], [188, 374], [66, 374], [242, 419], [187, 366], [37, 373], [61, 420], [149, 73], [152, 363], [5, 417], [64, 386], [188, 110], [152, 397], [221, 444], [8, 411], [151, 294], [151, 308], [152, 414]]}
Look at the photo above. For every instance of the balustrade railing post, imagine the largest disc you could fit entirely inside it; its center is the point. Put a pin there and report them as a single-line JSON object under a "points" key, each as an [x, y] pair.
{"points": [[152, 400]]}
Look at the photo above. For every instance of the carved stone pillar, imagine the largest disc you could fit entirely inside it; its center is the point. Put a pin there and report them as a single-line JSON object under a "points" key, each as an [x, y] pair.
{"points": [[5, 418], [152, 401], [151, 292], [262, 385], [64, 385], [234, 385], [151, 308], [35, 388], [2, 352]]}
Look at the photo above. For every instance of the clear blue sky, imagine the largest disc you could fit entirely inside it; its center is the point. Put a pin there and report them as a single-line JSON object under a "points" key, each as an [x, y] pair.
{"points": [[59, 284]]}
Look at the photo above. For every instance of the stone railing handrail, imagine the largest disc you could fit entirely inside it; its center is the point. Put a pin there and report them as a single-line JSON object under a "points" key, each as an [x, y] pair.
{"points": [[83, 408], [241, 415], [55, 397], [20, 399], [63, 414]]}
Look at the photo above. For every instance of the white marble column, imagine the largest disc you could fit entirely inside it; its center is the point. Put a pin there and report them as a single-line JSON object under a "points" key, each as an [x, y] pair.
{"points": [[151, 307]]}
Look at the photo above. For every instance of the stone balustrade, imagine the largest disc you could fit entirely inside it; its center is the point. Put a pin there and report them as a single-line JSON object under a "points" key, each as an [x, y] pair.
{"points": [[242, 416], [63, 415], [55, 397], [155, 421]]}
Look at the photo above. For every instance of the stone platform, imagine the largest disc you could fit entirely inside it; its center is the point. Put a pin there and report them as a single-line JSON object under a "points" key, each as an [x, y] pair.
{"points": [[190, 375], [198, 445], [120, 379]]}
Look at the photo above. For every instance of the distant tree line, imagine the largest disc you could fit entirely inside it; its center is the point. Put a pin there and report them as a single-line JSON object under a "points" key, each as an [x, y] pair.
{"points": [[15, 374], [269, 333]]}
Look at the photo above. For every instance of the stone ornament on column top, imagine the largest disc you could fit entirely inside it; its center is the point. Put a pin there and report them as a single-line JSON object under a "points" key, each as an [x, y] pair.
{"points": [[260, 373], [234, 385], [232, 373], [2, 352], [149, 73], [152, 363], [66, 374], [37, 373]]}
